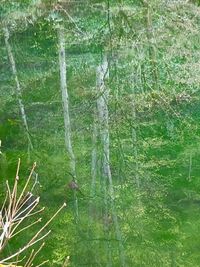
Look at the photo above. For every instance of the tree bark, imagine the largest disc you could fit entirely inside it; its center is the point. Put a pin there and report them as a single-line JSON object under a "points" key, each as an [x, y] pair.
{"points": [[134, 142], [18, 88], [93, 165], [152, 51], [65, 102], [103, 115], [94, 156]]}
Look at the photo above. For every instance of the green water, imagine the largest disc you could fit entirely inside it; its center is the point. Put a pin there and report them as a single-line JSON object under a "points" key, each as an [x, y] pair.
{"points": [[154, 151]]}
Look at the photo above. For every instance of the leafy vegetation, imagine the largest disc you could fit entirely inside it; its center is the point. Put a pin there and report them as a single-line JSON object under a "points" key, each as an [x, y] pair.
{"points": [[132, 143]]}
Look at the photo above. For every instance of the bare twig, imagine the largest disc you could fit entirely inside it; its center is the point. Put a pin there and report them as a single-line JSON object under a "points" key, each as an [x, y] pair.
{"points": [[15, 210]]}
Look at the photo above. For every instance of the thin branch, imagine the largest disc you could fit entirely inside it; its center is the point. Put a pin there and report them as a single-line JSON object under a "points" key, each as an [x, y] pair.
{"points": [[27, 182], [25, 247], [42, 263], [47, 223], [28, 226], [35, 254]]}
